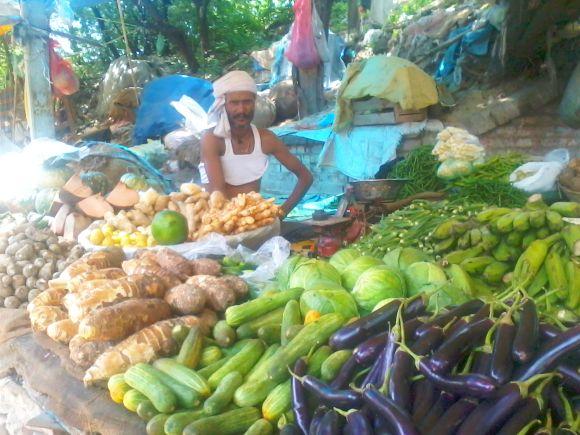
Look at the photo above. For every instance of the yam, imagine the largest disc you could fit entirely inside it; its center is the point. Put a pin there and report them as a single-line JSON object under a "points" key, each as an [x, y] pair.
{"points": [[58, 223], [218, 293], [62, 331], [122, 197], [206, 266], [74, 284], [84, 353], [237, 284], [186, 299], [75, 223], [123, 319], [42, 316], [95, 206], [52, 297], [74, 190], [110, 257], [175, 263], [144, 346]]}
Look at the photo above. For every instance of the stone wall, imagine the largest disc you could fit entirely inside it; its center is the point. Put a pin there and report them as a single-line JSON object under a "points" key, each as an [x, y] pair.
{"points": [[535, 133]]}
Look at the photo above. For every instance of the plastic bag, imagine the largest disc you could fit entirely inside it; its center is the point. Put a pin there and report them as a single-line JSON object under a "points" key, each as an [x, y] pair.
{"points": [[453, 168], [195, 118], [302, 49], [320, 37], [536, 177], [64, 79]]}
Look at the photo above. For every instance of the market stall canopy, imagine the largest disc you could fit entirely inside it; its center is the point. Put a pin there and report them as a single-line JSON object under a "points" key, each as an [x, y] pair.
{"points": [[9, 15], [388, 77]]}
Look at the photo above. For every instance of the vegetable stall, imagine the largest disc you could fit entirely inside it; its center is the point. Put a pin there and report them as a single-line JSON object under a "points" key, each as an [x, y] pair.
{"points": [[447, 317]]}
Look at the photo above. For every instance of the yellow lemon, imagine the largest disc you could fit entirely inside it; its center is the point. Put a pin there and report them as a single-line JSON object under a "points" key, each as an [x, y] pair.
{"points": [[107, 229], [96, 237], [107, 241]]}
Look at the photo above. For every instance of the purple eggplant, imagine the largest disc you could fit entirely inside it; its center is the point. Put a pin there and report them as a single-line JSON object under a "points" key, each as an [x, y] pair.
{"points": [[454, 327], [501, 364], [443, 319], [550, 353], [329, 425], [570, 378], [299, 399], [527, 332], [556, 405], [547, 331], [410, 326], [389, 354], [489, 416], [342, 399], [453, 349], [397, 419], [528, 411], [290, 429], [374, 374], [481, 362], [430, 339], [442, 404], [474, 385], [368, 351], [378, 321], [424, 396], [316, 419], [453, 417], [345, 374], [484, 311], [357, 423], [399, 386]]}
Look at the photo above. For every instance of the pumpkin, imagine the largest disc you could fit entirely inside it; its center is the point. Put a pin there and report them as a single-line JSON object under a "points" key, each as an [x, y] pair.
{"points": [[97, 181], [134, 181]]}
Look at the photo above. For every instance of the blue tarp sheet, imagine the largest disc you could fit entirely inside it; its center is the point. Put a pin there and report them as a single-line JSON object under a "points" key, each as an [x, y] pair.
{"points": [[156, 117]]}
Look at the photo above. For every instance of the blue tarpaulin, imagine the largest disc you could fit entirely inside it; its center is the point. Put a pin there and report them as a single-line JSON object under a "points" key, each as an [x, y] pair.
{"points": [[156, 117]]}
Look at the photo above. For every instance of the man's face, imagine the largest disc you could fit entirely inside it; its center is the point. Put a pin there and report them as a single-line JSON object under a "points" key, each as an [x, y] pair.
{"points": [[240, 108]]}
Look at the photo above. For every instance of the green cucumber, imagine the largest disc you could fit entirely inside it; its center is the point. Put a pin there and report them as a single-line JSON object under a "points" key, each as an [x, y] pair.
{"points": [[223, 394]]}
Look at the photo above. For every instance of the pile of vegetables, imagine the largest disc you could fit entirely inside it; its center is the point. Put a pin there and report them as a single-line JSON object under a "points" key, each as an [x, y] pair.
{"points": [[420, 168], [235, 380], [203, 212], [503, 250], [110, 311], [412, 225], [473, 369], [30, 256]]}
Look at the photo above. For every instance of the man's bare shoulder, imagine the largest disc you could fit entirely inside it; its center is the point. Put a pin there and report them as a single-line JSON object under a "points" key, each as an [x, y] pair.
{"points": [[211, 142], [270, 142]]}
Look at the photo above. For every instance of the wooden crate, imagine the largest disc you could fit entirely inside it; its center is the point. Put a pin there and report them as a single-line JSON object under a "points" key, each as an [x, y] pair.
{"points": [[387, 115]]}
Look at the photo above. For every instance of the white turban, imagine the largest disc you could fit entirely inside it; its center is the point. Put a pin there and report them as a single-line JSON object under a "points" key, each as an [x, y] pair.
{"points": [[234, 81]]}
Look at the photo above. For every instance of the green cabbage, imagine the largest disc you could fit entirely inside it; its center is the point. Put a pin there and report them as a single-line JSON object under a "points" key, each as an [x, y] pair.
{"points": [[336, 300], [424, 277], [376, 284], [384, 302], [312, 271], [356, 269], [402, 258], [285, 271], [341, 259]]}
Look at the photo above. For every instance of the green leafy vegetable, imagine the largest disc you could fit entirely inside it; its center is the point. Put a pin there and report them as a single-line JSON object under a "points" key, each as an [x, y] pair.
{"points": [[376, 284]]}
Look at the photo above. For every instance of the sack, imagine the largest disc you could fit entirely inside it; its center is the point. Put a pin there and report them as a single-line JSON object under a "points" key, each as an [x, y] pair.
{"points": [[536, 177], [302, 49], [320, 37], [64, 79]]}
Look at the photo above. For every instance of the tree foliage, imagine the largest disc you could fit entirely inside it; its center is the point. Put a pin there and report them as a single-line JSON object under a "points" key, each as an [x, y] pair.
{"points": [[175, 30]]}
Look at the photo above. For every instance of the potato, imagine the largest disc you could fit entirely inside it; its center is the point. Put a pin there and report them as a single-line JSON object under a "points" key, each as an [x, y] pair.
{"points": [[12, 302], [46, 272], [6, 291], [18, 281], [38, 262], [5, 260], [13, 248], [6, 280], [42, 284], [3, 246], [29, 270], [21, 293], [55, 247], [23, 306], [76, 252], [31, 282], [1, 301], [13, 269], [61, 265], [206, 266], [32, 294], [186, 299], [39, 246]]}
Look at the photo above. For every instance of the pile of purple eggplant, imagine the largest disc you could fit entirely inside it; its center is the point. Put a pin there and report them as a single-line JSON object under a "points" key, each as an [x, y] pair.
{"points": [[472, 369]]}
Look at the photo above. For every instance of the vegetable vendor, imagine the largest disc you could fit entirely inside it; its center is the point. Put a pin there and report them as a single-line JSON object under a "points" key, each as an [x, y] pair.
{"points": [[235, 153]]}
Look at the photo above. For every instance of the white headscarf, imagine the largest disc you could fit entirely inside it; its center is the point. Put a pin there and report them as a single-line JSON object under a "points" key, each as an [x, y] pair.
{"points": [[234, 81]]}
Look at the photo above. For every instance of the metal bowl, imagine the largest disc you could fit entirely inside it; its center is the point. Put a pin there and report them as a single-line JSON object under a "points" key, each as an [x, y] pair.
{"points": [[377, 190]]}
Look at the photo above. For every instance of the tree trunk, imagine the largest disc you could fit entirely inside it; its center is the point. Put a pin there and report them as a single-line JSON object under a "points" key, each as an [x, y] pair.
{"points": [[104, 34], [309, 84], [201, 7], [353, 17], [174, 35]]}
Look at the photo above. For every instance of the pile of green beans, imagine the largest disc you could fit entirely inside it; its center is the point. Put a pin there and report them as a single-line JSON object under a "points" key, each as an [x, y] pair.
{"points": [[420, 167]]}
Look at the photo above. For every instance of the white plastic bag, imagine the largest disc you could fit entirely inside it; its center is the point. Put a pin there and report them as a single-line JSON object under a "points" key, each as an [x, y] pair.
{"points": [[320, 37], [540, 177], [195, 117], [536, 177]]}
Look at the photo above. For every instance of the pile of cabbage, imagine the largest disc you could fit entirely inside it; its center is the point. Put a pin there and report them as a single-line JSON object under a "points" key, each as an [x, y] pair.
{"points": [[353, 284]]}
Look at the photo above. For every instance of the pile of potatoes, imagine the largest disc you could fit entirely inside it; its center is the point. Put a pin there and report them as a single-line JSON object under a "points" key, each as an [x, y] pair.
{"points": [[29, 258]]}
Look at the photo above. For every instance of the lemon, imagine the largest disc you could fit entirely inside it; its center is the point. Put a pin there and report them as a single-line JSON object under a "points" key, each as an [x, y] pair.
{"points": [[107, 229], [96, 237], [107, 241]]}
